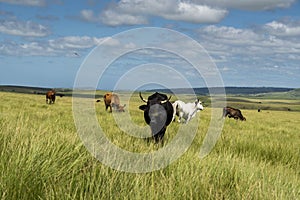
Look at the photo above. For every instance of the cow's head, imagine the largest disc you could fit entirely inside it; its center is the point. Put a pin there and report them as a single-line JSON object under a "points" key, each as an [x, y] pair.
{"points": [[52, 92], [198, 105], [158, 113], [243, 118], [121, 108]]}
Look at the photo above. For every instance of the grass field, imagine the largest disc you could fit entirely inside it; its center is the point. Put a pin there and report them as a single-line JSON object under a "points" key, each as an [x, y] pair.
{"points": [[42, 156]]}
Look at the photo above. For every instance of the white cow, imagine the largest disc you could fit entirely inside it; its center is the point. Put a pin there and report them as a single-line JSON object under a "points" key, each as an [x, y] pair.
{"points": [[186, 110]]}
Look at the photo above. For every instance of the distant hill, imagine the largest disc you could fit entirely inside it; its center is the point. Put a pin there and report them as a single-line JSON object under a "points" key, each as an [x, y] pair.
{"points": [[228, 90], [260, 92], [291, 94], [295, 92], [29, 89]]}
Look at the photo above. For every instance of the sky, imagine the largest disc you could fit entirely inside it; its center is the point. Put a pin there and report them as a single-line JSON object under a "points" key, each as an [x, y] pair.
{"points": [[249, 43]]}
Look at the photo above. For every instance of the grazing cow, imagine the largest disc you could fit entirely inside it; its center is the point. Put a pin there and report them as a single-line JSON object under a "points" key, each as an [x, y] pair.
{"points": [[233, 113], [50, 95], [112, 100], [158, 114], [186, 110]]}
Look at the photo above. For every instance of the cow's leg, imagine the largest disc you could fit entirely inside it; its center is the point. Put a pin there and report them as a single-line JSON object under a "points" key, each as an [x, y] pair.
{"points": [[174, 111], [188, 119], [174, 118], [174, 114], [180, 117], [159, 137], [110, 108]]}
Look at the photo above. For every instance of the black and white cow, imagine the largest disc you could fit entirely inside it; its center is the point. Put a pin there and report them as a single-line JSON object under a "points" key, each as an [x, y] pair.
{"points": [[158, 113]]}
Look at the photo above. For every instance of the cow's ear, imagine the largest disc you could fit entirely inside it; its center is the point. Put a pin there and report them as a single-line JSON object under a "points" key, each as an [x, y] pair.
{"points": [[143, 107]]}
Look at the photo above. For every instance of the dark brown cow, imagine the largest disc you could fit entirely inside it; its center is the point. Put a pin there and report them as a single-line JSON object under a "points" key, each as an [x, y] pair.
{"points": [[50, 96], [233, 113], [112, 100]]}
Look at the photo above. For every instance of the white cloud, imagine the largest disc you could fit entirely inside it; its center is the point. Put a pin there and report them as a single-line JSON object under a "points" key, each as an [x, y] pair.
{"points": [[137, 12], [26, 2], [230, 35], [28, 49], [88, 15], [195, 13], [247, 4], [21, 28], [64, 46], [248, 48], [114, 18], [283, 28], [130, 12], [74, 42]]}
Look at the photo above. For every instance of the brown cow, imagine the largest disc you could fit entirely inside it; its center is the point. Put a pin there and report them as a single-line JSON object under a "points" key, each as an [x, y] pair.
{"points": [[112, 100], [233, 113], [50, 95]]}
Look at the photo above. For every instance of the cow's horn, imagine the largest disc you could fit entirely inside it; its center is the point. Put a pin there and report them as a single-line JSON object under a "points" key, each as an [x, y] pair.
{"points": [[144, 100], [165, 101]]}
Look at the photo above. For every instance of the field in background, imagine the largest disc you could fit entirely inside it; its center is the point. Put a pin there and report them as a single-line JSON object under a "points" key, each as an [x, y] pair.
{"points": [[42, 156]]}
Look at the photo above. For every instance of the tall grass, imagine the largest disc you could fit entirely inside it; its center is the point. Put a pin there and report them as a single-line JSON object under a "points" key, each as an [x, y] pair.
{"points": [[42, 156]]}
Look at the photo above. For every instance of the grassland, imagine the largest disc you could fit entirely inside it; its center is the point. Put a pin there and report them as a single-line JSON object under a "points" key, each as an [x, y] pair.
{"points": [[42, 156]]}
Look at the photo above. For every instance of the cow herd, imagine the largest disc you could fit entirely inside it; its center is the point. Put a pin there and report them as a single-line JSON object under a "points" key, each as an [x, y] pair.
{"points": [[158, 110]]}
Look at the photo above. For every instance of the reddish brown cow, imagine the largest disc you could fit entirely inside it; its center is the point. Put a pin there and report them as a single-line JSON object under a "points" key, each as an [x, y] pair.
{"points": [[50, 96], [112, 100], [233, 113]]}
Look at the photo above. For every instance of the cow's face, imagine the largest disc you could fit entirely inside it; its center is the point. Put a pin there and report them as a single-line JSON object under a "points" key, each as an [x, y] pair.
{"points": [[121, 108], [198, 105], [155, 108], [51, 93], [157, 113]]}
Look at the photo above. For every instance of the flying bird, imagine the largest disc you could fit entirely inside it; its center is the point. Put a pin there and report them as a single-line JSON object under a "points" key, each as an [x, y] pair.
{"points": [[76, 54]]}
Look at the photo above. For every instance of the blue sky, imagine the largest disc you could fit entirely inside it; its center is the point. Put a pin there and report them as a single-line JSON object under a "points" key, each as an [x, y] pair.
{"points": [[252, 42]]}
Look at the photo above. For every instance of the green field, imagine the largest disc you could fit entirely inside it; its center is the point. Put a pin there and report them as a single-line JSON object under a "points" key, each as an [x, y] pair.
{"points": [[42, 156]]}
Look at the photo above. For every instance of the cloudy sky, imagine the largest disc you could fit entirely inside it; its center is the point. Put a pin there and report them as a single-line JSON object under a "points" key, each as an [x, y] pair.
{"points": [[251, 42]]}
